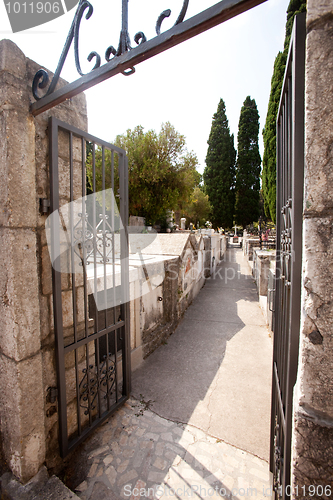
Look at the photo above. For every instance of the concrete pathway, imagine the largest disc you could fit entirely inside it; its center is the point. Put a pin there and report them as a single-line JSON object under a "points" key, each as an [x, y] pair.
{"points": [[198, 422], [215, 371]]}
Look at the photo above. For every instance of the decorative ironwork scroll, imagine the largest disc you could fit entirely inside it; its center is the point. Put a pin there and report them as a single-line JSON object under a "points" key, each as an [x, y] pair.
{"points": [[125, 57], [41, 78], [91, 244], [95, 379]]}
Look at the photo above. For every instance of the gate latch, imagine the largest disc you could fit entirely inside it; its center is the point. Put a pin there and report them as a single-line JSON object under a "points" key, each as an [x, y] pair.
{"points": [[44, 205], [52, 394]]}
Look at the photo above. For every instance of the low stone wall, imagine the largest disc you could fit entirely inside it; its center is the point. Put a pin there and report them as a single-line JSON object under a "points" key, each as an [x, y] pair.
{"points": [[270, 312], [250, 243], [263, 271], [182, 263], [262, 263], [261, 266], [136, 221]]}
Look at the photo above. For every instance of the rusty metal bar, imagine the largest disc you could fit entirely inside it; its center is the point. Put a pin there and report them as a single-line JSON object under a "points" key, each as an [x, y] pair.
{"points": [[215, 15], [56, 287]]}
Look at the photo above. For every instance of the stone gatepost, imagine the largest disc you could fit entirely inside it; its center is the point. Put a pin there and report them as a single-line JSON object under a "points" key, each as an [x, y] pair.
{"points": [[312, 460], [26, 339]]}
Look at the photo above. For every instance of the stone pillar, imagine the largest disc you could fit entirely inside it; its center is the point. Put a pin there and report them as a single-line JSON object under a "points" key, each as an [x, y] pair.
{"points": [[312, 458], [25, 315]]}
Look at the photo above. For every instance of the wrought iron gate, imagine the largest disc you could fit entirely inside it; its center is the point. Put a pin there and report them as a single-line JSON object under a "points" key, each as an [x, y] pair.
{"points": [[88, 241], [290, 173]]}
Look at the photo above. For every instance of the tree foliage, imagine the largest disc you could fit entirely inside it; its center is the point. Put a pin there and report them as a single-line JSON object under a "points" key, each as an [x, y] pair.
{"points": [[219, 173], [198, 210], [248, 165], [162, 173], [269, 132]]}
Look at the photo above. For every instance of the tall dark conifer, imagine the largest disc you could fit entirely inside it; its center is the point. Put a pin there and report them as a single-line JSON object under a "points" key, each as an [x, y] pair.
{"points": [[269, 132], [219, 174], [248, 165]]}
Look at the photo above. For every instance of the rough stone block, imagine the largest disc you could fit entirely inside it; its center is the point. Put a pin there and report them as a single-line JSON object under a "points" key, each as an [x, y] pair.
{"points": [[50, 300], [12, 59], [22, 415], [44, 315], [319, 115], [17, 169], [63, 146], [67, 308], [49, 368], [19, 305], [316, 9], [64, 179], [312, 460], [47, 272], [316, 342], [80, 309], [12, 96]]}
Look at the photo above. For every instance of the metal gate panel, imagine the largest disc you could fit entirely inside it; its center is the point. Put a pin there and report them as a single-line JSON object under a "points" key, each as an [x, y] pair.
{"points": [[88, 243], [290, 175]]}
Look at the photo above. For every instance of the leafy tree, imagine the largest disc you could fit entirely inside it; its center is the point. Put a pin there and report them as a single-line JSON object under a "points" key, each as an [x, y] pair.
{"points": [[219, 173], [248, 165], [269, 132], [162, 173], [198, 209]]}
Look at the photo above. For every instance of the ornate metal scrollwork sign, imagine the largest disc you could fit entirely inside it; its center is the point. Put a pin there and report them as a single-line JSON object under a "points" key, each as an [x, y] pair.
{"points": [[125, 57]]}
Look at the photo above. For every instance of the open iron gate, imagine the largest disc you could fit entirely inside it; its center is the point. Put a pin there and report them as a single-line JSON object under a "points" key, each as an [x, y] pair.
{"points": [[88, 242], [290, 174]]}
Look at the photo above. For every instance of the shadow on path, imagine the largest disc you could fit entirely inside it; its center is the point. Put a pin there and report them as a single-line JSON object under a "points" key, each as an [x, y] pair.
{"points": [[215, 371]]}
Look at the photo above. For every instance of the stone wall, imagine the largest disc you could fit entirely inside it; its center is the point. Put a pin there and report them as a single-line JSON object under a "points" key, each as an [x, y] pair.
{"points": [[26, 343], [261, 265], [312, 460]]}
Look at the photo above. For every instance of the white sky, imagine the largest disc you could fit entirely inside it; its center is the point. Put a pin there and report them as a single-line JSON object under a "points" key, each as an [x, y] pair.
{"points": [[184, 84]]}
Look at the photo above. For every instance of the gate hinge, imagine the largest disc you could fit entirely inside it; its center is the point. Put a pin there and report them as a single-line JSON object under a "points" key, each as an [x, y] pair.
{"points": [[44, 205], [52, 394]]}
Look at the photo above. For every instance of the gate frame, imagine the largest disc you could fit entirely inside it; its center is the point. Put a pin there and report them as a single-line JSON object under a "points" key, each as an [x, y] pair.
{"points": [[289, 162], [66, 446]]}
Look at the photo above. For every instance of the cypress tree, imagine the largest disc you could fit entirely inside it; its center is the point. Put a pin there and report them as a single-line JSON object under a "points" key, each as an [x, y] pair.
{"points": [[248, 165], [269, 132], [219, 173]]}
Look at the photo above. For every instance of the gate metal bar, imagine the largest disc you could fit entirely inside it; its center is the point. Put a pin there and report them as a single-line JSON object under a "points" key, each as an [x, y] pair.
{"points": [[213, 16], [92, 350], [290, 175]]}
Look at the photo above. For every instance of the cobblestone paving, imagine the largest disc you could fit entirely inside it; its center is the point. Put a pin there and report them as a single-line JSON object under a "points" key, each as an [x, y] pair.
{"points": [[140, 454]]}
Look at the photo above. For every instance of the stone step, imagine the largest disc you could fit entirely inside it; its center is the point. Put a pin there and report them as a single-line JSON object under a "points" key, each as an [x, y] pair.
{"points": [[40, 487]]}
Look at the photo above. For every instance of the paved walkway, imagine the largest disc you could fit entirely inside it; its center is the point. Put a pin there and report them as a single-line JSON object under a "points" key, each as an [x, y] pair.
{"points": [[198, 422]]}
